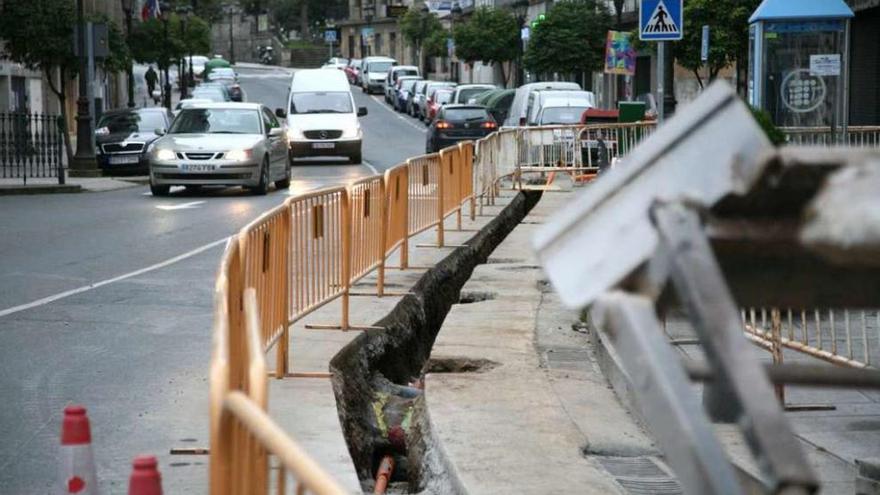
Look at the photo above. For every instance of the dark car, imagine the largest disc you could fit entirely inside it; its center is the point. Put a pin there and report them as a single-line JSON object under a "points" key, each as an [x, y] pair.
{"points": [[123, 136], [456, 123]]}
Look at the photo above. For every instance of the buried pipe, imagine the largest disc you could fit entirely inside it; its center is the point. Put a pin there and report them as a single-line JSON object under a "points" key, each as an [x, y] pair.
{"points": [[383, 475]]}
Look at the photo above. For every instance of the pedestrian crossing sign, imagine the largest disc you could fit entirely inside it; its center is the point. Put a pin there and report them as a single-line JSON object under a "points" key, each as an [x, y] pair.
{"points": [[660, 20]]}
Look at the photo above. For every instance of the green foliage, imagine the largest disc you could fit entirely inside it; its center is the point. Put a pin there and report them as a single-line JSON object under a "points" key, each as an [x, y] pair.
{"points": [[773, 133], [147, 41], [436, 44], [728, 34], [417, 27], [570, 39], [490, 35], [39, 33]]}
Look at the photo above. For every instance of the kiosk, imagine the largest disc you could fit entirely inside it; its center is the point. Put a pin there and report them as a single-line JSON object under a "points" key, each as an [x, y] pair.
{"points": [[798, 62]]}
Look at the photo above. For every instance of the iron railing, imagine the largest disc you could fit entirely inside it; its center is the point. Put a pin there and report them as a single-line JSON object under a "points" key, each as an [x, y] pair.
{"points": [[31, 146]]}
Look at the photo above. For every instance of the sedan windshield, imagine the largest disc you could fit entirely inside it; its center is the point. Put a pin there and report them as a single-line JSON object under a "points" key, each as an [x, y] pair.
{"points": [[466, 94], [132, 122], [323, 102], [216, 121], [562, 115]]}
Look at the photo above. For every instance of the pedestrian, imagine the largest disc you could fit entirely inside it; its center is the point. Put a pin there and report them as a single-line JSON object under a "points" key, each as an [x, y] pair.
{"points": [[151, 78]]}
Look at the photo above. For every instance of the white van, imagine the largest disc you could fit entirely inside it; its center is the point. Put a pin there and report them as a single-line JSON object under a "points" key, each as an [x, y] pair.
{"points": [[322, 118], [559, 107], [519, 110], [375, 69]]}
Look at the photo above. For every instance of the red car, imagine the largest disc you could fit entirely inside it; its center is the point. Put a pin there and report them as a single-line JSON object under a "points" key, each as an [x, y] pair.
{"points": [[353, 71], [441, 97]]}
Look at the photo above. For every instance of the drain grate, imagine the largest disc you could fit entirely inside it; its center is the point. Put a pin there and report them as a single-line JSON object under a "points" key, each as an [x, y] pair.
{"points": [[568, 359], [640, 475]]}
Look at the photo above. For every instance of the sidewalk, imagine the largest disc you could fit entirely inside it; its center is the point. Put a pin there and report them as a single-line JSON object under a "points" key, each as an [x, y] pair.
{"points": [[49, 185], [530, 411]]}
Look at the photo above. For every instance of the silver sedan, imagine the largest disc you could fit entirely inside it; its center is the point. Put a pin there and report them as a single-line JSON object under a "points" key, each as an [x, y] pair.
{"points": [[229, 144]]}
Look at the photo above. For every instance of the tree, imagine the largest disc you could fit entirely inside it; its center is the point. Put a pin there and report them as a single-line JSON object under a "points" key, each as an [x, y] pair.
{"points": [[570, 39], [39, 35], [418, 27], [490, 35], [728, 22]]}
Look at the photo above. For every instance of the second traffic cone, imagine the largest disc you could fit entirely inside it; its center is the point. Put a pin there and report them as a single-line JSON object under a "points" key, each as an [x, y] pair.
{"points": [[145, 478], [76, 472]]}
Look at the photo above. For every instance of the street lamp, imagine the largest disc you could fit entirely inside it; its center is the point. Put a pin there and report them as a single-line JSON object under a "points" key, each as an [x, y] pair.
{"points": [[520, 9], [454, 14], [369, 11], [164, 9], [183, 12], [230, 10], [424, 20], [85, 148], [127, 7]]}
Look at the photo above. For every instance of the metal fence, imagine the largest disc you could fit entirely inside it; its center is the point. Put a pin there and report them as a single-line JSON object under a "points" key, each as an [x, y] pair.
{"points": [[860, 136], [31, 146]]}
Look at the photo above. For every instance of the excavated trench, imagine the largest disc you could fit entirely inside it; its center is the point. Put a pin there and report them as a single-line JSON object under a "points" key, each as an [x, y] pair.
{"points": [[377, 377]]}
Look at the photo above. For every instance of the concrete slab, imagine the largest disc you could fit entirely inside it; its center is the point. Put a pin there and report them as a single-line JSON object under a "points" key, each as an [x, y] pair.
{"points": [[543, 418]]}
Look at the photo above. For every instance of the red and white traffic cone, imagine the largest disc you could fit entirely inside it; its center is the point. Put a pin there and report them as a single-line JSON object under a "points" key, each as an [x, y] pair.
{"points": [[76, 473], [145, 478]]}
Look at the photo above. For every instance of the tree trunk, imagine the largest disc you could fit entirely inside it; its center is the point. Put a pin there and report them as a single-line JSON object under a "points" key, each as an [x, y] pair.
{"points": [[503, 75], [699, 79], [304, 19], [62, 100]]}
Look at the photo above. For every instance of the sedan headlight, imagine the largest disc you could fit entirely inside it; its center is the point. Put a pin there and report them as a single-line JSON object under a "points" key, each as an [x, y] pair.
{"points": [[239, 155], [165, 155]]}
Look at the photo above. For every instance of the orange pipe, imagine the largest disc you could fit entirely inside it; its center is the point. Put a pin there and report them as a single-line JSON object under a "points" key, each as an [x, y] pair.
{"points": [[383, 476]]}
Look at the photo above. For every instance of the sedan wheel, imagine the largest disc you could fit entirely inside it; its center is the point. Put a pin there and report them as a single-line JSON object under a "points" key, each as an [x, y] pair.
{"points": [[285, 182], [263, 187]]}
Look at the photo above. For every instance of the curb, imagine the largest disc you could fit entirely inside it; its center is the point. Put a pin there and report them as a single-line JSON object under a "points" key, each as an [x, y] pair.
{"points": [[609, 364], [40, 189]]}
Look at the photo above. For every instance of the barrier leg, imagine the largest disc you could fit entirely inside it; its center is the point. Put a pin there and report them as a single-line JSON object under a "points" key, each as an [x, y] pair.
{"points": [[282, 363]]}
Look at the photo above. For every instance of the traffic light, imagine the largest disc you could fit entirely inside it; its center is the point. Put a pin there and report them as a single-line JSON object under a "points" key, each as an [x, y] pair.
{"points": [[538, 20]]}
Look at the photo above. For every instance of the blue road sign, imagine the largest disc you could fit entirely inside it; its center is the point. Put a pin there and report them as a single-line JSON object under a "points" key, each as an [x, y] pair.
{"points": [[330, 35], [661, 20]]}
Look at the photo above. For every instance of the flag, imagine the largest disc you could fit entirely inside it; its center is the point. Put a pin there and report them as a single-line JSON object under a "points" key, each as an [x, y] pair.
{"points": [[150, 10]]}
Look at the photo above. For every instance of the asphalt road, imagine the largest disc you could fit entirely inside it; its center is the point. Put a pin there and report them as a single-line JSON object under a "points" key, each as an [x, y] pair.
{"points": [[105, 300]]}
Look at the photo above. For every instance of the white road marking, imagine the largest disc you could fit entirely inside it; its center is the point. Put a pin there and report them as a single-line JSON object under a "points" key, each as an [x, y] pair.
{"points": [[181, 206], [401, 117], [370, 166], [79, 290]]}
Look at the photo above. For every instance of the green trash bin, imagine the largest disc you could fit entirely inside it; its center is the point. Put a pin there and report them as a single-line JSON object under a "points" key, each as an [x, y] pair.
{"points": [[630, 111]]}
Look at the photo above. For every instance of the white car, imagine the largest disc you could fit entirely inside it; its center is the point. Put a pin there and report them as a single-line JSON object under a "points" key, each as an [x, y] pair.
{"points": [[322, 117], [394, 73], [373, 74], [519, 110]]}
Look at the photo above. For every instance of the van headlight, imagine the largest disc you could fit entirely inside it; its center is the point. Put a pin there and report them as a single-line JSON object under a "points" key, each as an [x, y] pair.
{"points": [[165, 155], [295, 133], [351, 132]]}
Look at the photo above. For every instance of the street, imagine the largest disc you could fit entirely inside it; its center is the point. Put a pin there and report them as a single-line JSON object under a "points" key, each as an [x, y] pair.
{"points": [[105, 300]]}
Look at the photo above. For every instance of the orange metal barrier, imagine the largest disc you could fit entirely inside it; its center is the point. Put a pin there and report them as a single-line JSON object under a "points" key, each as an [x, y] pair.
{"points": [[466, 177], [423, 175], [397, 231]]}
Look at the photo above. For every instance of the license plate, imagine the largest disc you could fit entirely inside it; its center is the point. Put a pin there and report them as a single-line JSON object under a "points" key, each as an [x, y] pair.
{"points": [[118, 160], [196, 167], [323, 146]]}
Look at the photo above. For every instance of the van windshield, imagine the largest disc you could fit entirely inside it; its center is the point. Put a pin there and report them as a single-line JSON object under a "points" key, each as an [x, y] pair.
{"points": [[321, 102], [379, 66], [562, 115]]}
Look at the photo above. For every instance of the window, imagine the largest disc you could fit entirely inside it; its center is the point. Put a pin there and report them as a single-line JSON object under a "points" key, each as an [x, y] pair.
{"points": [[216, 121], [269, 120], [469, 114], [329, 102], [392, 44]]}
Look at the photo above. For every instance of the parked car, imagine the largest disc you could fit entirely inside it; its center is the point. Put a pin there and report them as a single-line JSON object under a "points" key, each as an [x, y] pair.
{"points": [[395, 91], [456, 122], [391, 78], [228, 78], [338, 62], [465, 93], [519, 107], [352, 71], [198, 65], [558, 107], [497, 102], [217, 93], [123, 136], [374, 71], [441, 97], [428, 95], [404, 93], [322, 117], [415, 101], [229, 144]]}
